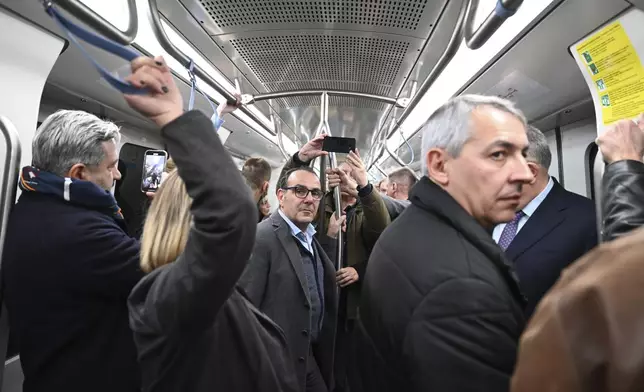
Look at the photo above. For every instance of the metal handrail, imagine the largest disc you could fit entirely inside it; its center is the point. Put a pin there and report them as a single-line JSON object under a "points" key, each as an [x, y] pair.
{"points": [[278, 127], [249, 98], [323, 127], [9, 176], [98, 23], [462, 31], [7, 199], [184, 60]]}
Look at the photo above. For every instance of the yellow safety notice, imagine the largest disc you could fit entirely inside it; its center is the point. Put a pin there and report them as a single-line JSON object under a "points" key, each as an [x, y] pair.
{"points": [[616, 70]]}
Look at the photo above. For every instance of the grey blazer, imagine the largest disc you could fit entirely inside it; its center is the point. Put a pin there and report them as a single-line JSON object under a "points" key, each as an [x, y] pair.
{"points": [[274, 281]]}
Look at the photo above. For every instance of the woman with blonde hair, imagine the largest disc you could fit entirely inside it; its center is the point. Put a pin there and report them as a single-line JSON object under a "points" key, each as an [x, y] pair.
{"points": [[193, 329]]}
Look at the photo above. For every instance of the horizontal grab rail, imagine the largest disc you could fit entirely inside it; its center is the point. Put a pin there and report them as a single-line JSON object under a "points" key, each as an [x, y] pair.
{"points": [[98, 23], [248, 98], [181, 57], [474, 40]]}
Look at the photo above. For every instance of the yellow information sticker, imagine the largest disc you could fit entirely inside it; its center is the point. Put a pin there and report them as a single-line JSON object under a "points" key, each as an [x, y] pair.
{"points": [[616, 71]]}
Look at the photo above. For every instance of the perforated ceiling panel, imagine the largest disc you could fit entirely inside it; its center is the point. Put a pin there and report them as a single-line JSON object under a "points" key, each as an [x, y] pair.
{"points": [[400, 14], [306, 61]]}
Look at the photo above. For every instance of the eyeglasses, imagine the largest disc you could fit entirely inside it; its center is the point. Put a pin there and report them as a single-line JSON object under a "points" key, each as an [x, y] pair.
{"points": [[302, 192]]}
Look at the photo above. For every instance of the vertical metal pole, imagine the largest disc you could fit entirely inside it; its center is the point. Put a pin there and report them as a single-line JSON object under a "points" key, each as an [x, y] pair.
{"points": [[333, 163], [7, 200], [322, 216]]}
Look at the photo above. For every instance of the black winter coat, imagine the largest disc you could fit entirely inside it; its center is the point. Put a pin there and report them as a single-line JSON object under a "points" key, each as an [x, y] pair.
{"points": [[441, 309], [194, 331]]}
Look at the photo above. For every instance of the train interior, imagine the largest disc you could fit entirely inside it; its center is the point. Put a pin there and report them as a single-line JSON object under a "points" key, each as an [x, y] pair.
{"points": [[383, 66]]}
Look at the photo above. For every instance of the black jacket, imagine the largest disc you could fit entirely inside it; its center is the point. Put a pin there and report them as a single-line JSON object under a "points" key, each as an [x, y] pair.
{"points": [[622, 198], [67, 271], [441, 309], [193, 330]]}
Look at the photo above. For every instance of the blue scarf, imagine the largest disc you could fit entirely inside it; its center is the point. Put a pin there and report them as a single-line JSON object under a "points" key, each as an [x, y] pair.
{"points": [[79, 192]]}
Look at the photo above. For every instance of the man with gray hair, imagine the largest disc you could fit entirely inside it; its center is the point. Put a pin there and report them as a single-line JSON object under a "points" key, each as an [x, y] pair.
{"points": [[551, 229], [441, 308], [68, 264], [400, 182]]}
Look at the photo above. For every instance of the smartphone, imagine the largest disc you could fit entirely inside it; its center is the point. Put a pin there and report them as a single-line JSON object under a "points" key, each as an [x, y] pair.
{"points": [[339, 144], [153, 167]]}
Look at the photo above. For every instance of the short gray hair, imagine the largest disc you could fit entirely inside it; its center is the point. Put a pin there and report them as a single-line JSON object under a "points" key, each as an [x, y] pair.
{"points": [[69, 137], [538, 148], [449, 126]]}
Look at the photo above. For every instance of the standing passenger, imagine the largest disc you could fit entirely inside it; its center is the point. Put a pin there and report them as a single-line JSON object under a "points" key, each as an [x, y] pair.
{"points": [[69, 264], [400, 182], [441, 309], [552, 228], [194, 331], [291, 279]]}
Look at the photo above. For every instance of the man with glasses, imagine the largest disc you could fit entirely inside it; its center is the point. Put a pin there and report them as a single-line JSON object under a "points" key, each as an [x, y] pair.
{"points": [[291, 279]]}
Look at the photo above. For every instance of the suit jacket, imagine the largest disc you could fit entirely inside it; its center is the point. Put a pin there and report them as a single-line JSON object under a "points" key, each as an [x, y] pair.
{"points": [[274, 281], [562, 229]]}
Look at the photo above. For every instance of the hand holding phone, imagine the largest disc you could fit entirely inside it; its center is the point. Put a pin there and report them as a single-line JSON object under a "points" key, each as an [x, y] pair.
{"points": [[153, 168]]}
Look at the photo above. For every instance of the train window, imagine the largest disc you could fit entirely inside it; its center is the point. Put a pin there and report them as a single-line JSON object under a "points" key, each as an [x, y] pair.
{"points": [[127, 191], [589, 159]]}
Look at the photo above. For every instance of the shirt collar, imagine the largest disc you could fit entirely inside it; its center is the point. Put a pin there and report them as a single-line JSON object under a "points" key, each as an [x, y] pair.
{"points": [[531, 207], [310, 230]]}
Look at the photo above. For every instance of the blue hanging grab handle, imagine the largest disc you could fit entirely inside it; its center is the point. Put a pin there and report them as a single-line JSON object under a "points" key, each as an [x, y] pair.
{"points": [[73, 31], [191, 101]]}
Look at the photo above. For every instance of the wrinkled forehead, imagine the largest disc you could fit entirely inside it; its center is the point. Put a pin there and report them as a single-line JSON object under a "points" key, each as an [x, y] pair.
{"points": [[303, 177], [491, 126]]}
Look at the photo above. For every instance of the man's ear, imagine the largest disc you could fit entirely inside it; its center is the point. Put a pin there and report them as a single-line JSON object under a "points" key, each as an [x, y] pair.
{"points": [[280, 196], [534, 169], [78, 171], [436, 161], [265, 188]]}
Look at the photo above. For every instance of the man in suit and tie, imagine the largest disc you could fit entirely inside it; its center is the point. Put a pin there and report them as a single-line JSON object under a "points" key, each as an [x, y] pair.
{"points": [[291, 279], [551, 229]]}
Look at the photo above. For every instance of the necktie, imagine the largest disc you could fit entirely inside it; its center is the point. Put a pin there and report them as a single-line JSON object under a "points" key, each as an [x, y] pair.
{"points": [[510, 231]]}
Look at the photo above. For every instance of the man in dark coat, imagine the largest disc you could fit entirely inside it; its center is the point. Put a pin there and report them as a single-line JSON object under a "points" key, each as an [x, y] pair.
{"points": [[441, 309], [552, 229], [68, 263], [290, 278]]}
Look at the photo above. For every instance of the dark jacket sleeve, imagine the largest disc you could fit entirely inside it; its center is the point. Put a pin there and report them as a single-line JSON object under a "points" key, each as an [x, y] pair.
{"points": [[622, 198], [376, 217], [112, 268], [187, 295], [465, 332], [394, 207]]}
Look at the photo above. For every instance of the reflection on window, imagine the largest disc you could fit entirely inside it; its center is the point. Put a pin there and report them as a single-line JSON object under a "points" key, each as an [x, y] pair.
{"points": [[114, 11]]}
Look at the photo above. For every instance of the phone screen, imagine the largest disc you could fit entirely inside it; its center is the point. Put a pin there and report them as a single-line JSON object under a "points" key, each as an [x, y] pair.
{"points": [[339, 144], [153, 168]]}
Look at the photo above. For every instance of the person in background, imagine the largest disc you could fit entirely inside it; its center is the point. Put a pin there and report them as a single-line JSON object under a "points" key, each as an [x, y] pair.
{"points": [[257, 172], [68, 264], [264, 208], [586, 333], [622, 147], [552, 228], [194, 331], [382, 186], [292, 280], [400, 182], [441, 309]]}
